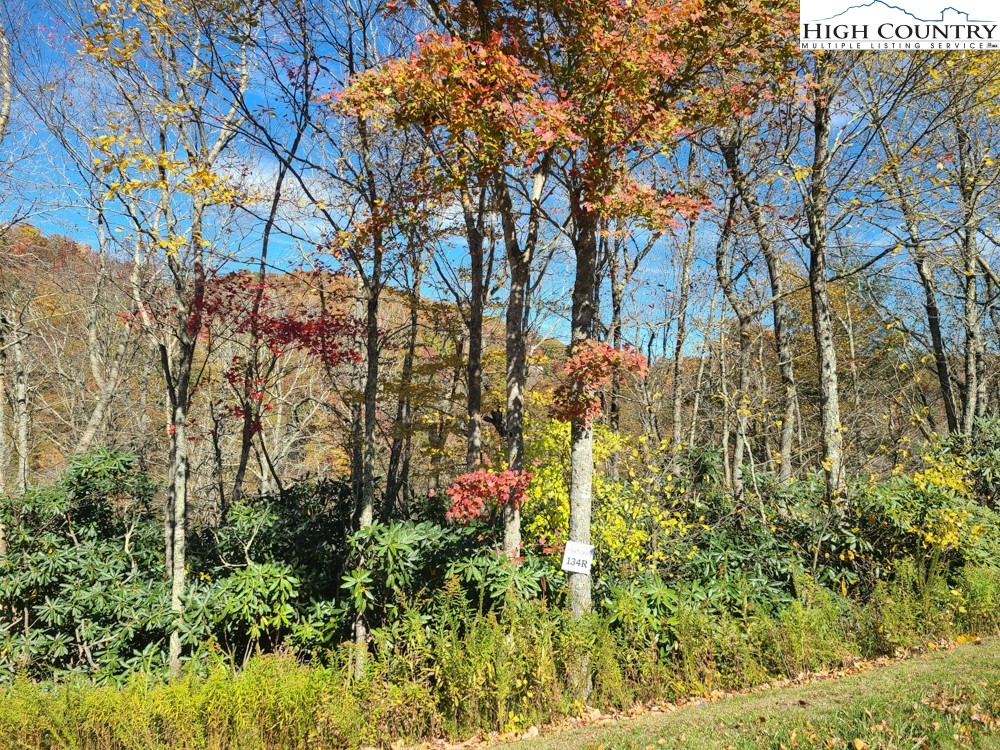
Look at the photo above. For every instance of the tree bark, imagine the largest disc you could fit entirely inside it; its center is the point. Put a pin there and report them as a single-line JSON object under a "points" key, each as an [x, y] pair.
{"points": [[474, 219], [973, 392], [177, 524], [519, 259], [6, 82], [581, 431], [22, 414], [366, 512], [817, 206], [779, 310], [177, 377], [519, 264]]}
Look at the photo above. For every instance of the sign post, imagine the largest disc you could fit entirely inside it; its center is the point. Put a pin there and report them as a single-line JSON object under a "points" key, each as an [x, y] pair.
{"points": [[577, 558]]}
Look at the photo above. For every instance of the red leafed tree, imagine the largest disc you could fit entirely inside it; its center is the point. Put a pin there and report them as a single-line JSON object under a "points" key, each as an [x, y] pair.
{"points": [[262, 321], [592, 365], [632, 79], [480, 493], [596, 86], [484, 116]]}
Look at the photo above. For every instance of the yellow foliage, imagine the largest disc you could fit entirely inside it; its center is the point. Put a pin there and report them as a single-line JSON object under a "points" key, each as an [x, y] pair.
{"points": [[633, 518], [545, 514]]}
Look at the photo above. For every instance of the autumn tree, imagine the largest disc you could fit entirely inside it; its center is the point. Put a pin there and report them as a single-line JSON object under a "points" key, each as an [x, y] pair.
{"points": [[6, 81], [760, 211], [481, 109], [162, 160], [971, 174], [628, 80]]}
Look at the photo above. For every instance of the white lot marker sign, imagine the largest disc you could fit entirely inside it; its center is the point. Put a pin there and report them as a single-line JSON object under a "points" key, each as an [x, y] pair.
{"points": [[577, 558]]}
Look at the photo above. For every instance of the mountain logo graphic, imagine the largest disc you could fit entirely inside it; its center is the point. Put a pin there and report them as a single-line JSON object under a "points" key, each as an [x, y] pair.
{"points": [[943, 16], [899, 25]]}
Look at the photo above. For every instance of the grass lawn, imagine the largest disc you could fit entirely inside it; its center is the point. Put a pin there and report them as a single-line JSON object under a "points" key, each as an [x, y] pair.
{"points": [[941, 699]]}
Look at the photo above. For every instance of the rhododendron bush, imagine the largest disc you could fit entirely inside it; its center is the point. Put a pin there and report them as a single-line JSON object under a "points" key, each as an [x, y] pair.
{"points": [[591, 366]]}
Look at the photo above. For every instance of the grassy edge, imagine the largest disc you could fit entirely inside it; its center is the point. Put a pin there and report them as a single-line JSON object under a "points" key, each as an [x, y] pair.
{"points": [[939, 698]]}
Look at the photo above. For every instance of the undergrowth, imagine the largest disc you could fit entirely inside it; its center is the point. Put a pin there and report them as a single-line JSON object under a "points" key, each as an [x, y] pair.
{"points": [[488, 673]]}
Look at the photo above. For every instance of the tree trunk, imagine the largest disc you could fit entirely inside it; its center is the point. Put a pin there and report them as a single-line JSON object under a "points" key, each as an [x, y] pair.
{"points": [[779, 311], [519, 263], [677, 394], [727, 464], [178, 380], [581, 432], [925, 272], [438, 438], [6, 82], [177, 518], [22, 414], [975, 381], [973, 337], [5, 448], [4, 445], [941, 366], [519, 260], [366, 513], [817, 203], [399, 452], [477, 299], [617, 279], [703, 359], [105, 396], [107, 386], [740, 401], [357, 412]]}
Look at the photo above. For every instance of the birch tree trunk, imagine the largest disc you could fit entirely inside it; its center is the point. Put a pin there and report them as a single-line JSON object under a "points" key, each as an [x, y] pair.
{"points": [[6, 82], [177, 516], [581, 431]]}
